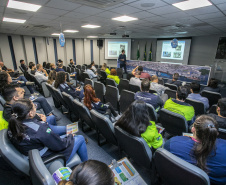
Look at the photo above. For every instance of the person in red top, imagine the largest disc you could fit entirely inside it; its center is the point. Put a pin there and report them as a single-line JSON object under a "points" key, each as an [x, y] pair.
{"points": [[142, 74]]}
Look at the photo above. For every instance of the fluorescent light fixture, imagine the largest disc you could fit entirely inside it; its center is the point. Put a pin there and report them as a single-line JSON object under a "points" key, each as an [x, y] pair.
{"points": [[56, 34], [71, 31], [124, 18], [13, 20], [192, 4], [23, 6], [181, 32], [92, 36], [90, 26]]}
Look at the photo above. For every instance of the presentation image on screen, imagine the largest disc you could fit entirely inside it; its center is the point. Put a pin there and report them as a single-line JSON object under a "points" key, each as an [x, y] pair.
{"points": [[179, 55], [114, 47]]}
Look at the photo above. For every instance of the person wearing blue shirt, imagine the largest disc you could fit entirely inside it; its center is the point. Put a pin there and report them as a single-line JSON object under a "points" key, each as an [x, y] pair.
{"points": [[203, 149], [60, 68], [122, 60], [175, 81], [90, 72], [195, 89]]}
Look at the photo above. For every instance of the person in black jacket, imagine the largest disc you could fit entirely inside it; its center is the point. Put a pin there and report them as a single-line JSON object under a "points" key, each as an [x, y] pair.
{"points": [[22, 64], [27, 133], [175, 80], [60, 83], [122, 60]]}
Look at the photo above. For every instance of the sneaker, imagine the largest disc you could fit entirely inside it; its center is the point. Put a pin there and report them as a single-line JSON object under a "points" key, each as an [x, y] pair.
{"points": [[117, 117], [35, 94], [30, 83]]}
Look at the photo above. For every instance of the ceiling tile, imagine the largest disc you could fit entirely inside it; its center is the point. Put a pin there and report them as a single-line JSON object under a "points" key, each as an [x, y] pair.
{"points": [[52, 11], [217, 1], [37, 2], [108, 14], [64, 5], [76, 15], [88, 10], [164, 10], [125, 9], [142, 15], [222, 6], [203, 10], [210, 15], [44, 16], [175, 15], [156, 3]]}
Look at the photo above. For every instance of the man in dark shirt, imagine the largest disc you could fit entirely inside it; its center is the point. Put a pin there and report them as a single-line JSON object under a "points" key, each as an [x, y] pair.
{"points": [[122, 60], [175, 80], [147, 97], [10, 71], [221, 113], [22, 64], [60, 68], [142, 74]]}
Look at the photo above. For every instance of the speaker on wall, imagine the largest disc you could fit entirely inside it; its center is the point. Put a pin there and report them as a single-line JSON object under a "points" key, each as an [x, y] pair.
{"points": [[100, 43]]}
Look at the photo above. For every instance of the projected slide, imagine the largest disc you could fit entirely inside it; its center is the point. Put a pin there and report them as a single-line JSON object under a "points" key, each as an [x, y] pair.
{"points": [[114, 47], [173, 53]]}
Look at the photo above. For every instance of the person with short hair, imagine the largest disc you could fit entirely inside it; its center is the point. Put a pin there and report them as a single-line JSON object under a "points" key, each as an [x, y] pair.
{"points": [[160, 89], [41, 74], [23, 66], [221, 113], [195, 90], [179, 105], [122, 60], [136, 80], [203, 149], [10, 71], [52, 66], [52, 77], [147, 97], [72, 63], [93, 67], [113, 75], [175, 80], [105, 68], [60, 68], [90, 72], [212, 86], [32, 68], [90, 172], [142, 74]]}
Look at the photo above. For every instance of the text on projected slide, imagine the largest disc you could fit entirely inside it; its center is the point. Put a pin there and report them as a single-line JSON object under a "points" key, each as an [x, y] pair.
{"points": [[115, 48], [173, 53]]}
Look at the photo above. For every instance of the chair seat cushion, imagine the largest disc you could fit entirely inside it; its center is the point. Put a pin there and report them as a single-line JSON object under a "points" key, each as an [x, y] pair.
{"points": [[74, 161]]}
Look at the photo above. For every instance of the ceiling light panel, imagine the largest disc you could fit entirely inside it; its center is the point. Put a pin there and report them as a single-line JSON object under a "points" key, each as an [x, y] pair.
{"points": [[23, 6], [5, 19], [124, 18], [92, 36], [55, 34], [192, 4], [90, 26], [71, 31]]}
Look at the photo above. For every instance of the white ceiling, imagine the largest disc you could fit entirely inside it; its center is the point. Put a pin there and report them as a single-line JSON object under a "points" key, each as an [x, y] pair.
{"points": [[160, 20]]}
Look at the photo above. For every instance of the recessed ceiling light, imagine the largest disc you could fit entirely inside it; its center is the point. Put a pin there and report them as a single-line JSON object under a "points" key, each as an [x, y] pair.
{"points": [[181, 32], [124, 18], [92, 36], [192, 4], [90, 26], [13, 20], [23, 6], [56, 34], [71, 31]]}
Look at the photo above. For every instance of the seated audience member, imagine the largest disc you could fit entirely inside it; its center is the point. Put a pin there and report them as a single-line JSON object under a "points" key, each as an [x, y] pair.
{"points": [[44, 64], [175, 80], [51, 77], [113, 75], [195, 90], [60, 83], [204, 149], [59, 62], [179, 105], [41, 74], [48, 65], [142, 74], [23, 66], [212, 86], [147, 97], [10, 71], [221, 113], [0, 69], [5, 79], [92, 102], [160, 89], [60, 68], [52, 66], [105, 68], [93, 67], [72, 63], [25, 138], [90, 172], [136, 121], [136, 80], [32, 68], [90, 72]]}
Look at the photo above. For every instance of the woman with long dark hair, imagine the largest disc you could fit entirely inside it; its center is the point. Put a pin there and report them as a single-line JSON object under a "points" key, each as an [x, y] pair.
{"points": [[92, 102], [27, 133], [136, 121], [52, 77], [90, 172], [203, 149]]}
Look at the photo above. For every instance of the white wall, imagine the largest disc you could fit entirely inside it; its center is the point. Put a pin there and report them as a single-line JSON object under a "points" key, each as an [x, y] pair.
{"points": [[69, 50], [30, 56], [50, 51], [79, 50], [41, 49], [87, 51]]}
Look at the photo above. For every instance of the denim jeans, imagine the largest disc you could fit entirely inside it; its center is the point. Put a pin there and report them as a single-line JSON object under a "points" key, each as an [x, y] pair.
{"points": [[43, 104], [79, 148], [60, 130], [30, 88]]}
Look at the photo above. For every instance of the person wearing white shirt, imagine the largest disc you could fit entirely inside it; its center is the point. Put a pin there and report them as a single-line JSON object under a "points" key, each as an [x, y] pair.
{"points": [[90, 72], [136, 80], [93, 67], [41, 74]]}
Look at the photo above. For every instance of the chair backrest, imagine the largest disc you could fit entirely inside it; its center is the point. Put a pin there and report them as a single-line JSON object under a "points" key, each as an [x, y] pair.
{"points": [[84, 67], [72, 69], [171, 93], [175, 124], [111, 82], [68, 77], [84, 76], [123, 85], [112, 96], [68, 70], [88, 81], [213, 109], [134, 88], [198, 106], [11, 155], [21, 69], [129, 76], [67, 99], [78, 74], [222, 133], [84, 113], [96, 66], [99, 90], [171, 86], [174, 170], [152, 113], [119, 72], [104, 126], [59, 96], [134, 147], [2, 101], [213, 97], [65, 68], [103, 74], [126, 99], [79, 67], [161, 81], [152, 91]]}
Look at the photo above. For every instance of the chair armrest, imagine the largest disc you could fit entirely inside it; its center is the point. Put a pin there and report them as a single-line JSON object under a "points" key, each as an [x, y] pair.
{"points": [[52, 158]]}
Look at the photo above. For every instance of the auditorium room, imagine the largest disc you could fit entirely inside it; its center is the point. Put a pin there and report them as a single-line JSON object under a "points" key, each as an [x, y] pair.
{"points": [[113, 92]]}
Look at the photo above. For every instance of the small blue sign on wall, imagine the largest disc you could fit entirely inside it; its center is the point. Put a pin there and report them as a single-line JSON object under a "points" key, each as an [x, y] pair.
{"points": [[174, 43], [61, 39]]}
